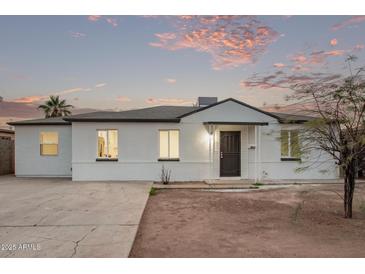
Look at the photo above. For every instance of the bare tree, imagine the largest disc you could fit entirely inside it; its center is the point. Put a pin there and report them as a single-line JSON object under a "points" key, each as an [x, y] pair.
{"points": [[338, 128]]}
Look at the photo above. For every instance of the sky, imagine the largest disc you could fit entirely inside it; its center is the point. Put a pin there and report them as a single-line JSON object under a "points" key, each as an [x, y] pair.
{"points": [[125, 62]]}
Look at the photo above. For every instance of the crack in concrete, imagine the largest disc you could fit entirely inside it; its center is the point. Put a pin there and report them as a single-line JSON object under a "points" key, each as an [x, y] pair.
{"points": [[78, 241], [51, 200], [40, 220]]}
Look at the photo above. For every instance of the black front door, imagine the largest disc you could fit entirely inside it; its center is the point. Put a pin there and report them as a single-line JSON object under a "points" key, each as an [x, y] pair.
{"points": [[230, 153]]}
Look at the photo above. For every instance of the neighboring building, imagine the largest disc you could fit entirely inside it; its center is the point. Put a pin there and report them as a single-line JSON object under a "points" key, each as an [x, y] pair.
{"points": [[226, 139], [7, 134], [6, 151]]}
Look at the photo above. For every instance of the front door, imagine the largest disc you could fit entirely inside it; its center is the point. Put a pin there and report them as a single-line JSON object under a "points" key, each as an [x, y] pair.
{"points": [[230, 153]]}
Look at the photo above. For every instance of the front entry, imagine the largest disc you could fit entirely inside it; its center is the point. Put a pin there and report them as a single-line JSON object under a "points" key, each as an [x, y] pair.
{"points": [[230, 153]]}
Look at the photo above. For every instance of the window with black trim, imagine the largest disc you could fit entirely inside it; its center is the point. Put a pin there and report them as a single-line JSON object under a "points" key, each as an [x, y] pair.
{"points": [[48, 143], [169, 144], [290, 145], [107, 144]]}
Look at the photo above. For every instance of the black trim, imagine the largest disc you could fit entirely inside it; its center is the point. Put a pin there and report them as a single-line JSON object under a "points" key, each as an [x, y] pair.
{"points": [[169, 160], [283, 121], [38, 124], [290, 159], [236, 123], [233, 100], [107, 159], [122, 120], [227, 150], [8, 131]]}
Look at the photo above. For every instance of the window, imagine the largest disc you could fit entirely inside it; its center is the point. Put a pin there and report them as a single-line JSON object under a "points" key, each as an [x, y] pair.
{"points": [[169, 145], [48, 143], [290, 147], [107, 144]]}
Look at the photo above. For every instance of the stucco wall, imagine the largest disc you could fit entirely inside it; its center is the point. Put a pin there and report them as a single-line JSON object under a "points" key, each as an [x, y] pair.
{"points": [[315, 166], [29, 162], [138, 145]]}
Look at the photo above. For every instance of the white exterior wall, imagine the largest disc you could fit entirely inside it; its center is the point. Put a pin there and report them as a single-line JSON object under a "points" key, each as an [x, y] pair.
{"points": [[271, 167], [29, 162], [138, 149]]}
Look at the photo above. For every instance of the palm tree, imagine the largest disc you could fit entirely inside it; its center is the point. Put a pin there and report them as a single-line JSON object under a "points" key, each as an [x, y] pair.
{"points": [[54, 107]]}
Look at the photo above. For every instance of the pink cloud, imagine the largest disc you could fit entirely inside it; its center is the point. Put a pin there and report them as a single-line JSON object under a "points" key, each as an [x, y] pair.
{"points": [[333, 42], [123, 99], [315, 57], [71, 90], [359, 47], [76, 35], [169, 101], [299, 67], [100, 85], [38, 98], [231, 41], [112, 21], [109, 20], [299, 58], [94, 18], [29, 99], [279, 65], [280, 79], [170, 81], [354, 20]]}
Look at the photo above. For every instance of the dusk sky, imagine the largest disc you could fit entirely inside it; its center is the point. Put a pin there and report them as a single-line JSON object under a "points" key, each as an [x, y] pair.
{"points": [[123, 62]]}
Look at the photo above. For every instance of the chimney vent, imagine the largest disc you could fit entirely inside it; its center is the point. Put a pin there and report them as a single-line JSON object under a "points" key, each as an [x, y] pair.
{"points": [[206, 101]]}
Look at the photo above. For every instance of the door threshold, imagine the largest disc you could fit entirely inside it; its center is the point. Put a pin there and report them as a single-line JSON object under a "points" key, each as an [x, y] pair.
{"points": [[231, 178]]}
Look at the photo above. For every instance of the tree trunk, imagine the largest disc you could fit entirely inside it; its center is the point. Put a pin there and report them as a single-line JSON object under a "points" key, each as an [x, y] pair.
{"points": [[349, 188]]}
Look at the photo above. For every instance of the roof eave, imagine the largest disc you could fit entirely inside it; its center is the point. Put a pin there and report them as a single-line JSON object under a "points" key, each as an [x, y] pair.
{"points": [[38, 124], [233, 100], [122, 120], [236, 123], [282, 121]]}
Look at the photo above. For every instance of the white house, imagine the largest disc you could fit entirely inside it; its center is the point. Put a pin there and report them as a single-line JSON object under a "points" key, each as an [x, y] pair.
{"points": [[223, 139]]}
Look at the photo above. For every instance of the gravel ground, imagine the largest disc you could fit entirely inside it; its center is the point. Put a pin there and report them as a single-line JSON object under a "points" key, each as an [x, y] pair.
{"points": [[300, 221]]}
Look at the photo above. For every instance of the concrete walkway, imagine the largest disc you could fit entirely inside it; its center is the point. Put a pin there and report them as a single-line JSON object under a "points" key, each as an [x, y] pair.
{"points": [[61, 218]]}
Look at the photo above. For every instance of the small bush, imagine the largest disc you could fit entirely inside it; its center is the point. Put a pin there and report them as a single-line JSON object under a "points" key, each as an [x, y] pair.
{"points": [[165, 175], [258, 184], [153, 191]]}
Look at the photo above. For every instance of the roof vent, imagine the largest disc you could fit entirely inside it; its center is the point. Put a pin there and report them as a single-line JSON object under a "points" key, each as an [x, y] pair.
{"points": [[206, 101]]}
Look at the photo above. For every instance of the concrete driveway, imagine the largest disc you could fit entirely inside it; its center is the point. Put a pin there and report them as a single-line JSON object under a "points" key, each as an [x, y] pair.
{"points": [[42, 217]]}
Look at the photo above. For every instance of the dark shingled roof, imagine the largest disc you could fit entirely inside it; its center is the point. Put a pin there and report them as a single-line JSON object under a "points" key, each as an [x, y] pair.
{"points": [[39, 122], [171, 114], [152, 114], [4, 130], [292, 118]]}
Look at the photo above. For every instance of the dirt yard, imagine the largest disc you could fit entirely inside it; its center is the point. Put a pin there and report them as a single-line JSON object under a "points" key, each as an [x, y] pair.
{"points": [[300, 221]]}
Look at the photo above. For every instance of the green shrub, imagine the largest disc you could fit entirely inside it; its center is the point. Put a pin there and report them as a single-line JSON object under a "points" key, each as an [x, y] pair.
{"points": [[153, 191]]}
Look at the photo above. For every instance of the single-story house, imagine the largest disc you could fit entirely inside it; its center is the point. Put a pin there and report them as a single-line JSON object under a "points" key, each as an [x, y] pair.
{"points": [[213, 140]]}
